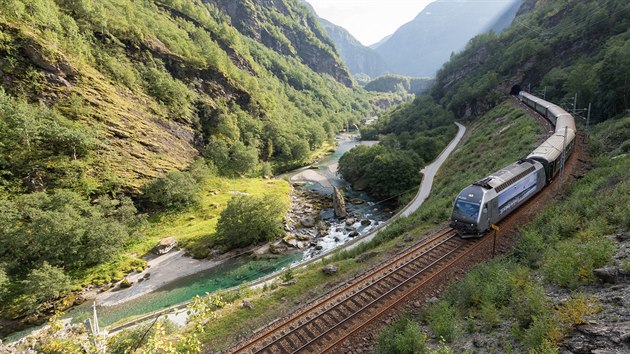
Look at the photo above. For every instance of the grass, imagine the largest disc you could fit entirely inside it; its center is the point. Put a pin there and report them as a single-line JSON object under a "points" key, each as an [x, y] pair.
{"points": [[562, 246], [475, 155], [193, 228]]}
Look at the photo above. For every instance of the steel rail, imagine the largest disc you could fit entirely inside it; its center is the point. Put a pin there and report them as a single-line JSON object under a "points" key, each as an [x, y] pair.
{"points": [[357, 292], [387, 293], [347, 287], [474, 245]]}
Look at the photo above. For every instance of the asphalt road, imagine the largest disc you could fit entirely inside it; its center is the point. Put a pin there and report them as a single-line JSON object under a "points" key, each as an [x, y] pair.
{"points": [[428, 172]]}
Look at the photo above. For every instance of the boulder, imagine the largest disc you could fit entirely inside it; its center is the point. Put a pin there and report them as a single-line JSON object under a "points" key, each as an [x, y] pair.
{"points": [[319, 247], [350, 221], [365, 256], [164, 246], [607, 274], [278, 248], [339, 203], [308, 221], [354, 233], [408, 238], [329, 269], [357, 201], [246, 304], [289, 282], [262, 250], [366, 222], [290, 241], [302, 237]]}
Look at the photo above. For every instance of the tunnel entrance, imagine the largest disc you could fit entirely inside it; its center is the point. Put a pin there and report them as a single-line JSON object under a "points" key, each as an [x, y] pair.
{"points": [[515, 90]]}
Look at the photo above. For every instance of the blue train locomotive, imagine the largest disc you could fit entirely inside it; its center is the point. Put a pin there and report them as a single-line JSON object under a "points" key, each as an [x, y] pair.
{"points": [[492, 198]]}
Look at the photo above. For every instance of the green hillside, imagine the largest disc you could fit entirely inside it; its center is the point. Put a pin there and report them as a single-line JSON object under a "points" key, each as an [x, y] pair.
{"points": [[560, 48], [119, 119]]}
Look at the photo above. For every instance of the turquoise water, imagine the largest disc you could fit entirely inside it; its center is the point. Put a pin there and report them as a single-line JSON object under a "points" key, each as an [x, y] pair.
{"points": [[230, 274]]}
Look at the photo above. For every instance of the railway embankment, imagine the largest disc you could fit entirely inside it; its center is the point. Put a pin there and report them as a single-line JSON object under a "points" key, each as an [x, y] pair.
{"points": [[563, 286]]}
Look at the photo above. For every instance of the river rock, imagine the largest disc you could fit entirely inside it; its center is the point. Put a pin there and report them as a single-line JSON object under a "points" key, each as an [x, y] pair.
{"points": [[308, 221], [329, 269], [262, 250], [290, 241], [319, 247], [302, 237], [164, 246], [278, 248], [357, 201], [366, 222], [354, 233], [327, 214], [350, 221], [339, 203]]}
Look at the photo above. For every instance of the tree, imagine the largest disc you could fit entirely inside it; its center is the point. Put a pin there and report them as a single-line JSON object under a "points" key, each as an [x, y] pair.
{"points": [[46, 283], [174, 190], [249, 220]]}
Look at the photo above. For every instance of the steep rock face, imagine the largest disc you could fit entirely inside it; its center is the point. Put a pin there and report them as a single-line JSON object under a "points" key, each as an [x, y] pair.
{"points": [[159, 80], [288, 28], [413, 49], [359, 58]]}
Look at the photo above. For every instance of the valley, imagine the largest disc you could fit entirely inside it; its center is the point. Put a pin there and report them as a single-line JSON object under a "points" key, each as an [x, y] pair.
{"points": [[183, 153]]}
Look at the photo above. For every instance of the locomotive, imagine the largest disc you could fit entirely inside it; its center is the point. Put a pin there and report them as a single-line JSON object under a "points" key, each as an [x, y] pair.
{"points": [[489, 200]]}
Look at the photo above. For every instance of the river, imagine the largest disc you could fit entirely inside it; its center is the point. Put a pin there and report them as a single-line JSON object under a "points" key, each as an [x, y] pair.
{"points": [[233, 272]]}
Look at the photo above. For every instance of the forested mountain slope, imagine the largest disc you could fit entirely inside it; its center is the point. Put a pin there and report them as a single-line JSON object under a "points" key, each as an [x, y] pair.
{"points": [[116, 92], [105, 103], [558, 48]]}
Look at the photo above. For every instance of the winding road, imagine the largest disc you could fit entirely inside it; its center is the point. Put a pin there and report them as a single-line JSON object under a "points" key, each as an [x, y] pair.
{"points": [[428, 172]]}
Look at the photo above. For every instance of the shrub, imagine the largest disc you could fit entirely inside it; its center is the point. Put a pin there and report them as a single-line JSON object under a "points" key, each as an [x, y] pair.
{"points": [[174, 190], [249, 220], [574, 311], [571, 262], [543, 335], [442, 319], [45, 283], [402, 337]]}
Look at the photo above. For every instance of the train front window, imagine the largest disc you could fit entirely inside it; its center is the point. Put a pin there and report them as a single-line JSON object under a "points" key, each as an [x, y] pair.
{"points": [[466, 211]]}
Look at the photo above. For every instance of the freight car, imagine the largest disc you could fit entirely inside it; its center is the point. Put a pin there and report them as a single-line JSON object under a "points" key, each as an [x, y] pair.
{"points": [[492, 198]]}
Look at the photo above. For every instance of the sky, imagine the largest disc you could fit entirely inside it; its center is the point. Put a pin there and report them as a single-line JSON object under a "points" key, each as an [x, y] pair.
{"points": [[369, 21]]}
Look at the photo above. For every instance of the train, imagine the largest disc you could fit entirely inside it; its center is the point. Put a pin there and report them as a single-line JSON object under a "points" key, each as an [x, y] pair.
{"points": [[489, 200]]}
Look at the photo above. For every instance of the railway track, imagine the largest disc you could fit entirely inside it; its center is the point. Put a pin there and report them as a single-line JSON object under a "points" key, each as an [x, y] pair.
{"points": [[336, 316]]}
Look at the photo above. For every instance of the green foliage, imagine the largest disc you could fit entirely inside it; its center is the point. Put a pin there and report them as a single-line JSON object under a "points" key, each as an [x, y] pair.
{"points": [[44, 283], [402, 337], [170, 92], [249, 220], [39, 148], [63, 229], [415, 134], [231, 159], [442, 318], [174, 190], [571, 263], [386, 172], [397, 83], [535, 47]]}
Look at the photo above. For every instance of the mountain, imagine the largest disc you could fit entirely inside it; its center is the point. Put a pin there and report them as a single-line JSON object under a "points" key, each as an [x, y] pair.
{"points": [[421, 46], [358, 58], [557, 48], [379, 43], [154, 84]]}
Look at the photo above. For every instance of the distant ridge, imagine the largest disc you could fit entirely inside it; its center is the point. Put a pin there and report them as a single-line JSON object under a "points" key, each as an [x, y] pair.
{"points": [[420, 47]]}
